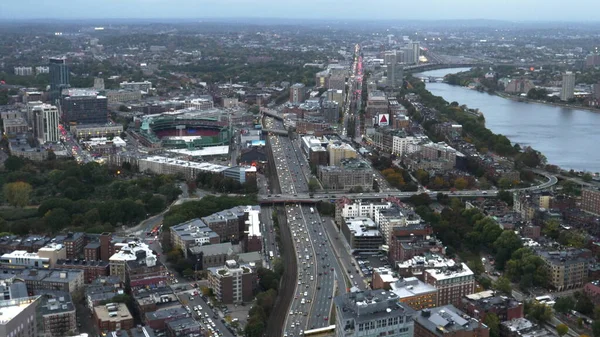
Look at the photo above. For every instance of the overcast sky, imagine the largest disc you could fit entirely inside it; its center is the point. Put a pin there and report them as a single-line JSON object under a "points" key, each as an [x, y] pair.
{"points": [[521, 10]]}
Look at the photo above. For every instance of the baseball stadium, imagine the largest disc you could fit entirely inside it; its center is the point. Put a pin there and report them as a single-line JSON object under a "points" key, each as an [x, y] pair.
{"points": [[185, 130]]}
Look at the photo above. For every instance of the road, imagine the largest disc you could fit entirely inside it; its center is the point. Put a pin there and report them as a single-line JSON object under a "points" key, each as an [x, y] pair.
{"points": [[206, 315], [269, 236], [344, 257]]}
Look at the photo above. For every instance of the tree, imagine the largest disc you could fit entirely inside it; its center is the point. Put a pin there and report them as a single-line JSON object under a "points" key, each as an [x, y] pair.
{"points": [[17, 193], [313, 185], [493, 323], [596, 328], [506, 244], [551, 229], [564, 304], [504, 183], [461, 183], [587, 177], [539, 312], [562, 329], [505, 196], [14, 163], [57, 219], [503, 284]]}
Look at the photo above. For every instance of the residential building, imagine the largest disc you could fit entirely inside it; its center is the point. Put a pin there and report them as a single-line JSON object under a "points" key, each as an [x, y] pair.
{"points": [[74, 243], [413, 240], [590, 200], [521, 327], [23, 71], [377, 109], [447, 321], [70, 280], [232, 283], [297, 93], [415, 293], [210, 255], [19, 317], [184, 327], [252, 236], [84, 106], [567, 89], [362, 234], [42, 70], [567, 269], [519, 86], [59, 77], [45, 123], [228, 224], [592, 291], [131, 251], [140, 274], [14, 123], [392, 217], [92, 269], [158, 319], [192, 233], [453, 283], [480, 304], [340, 151], [91, 252], [352, 173], [58, 315], [122, 96], [372, 313], [113, 316]]}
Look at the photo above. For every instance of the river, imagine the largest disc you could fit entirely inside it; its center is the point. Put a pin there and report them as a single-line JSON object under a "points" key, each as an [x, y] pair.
{"points": [[565, 136]]}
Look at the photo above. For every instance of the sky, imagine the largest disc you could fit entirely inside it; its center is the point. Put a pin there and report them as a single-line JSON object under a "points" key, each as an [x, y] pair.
{"points": [[512, 10]]}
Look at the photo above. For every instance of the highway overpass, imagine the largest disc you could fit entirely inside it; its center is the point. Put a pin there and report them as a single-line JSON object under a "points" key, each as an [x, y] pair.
{"points": [[316, 197]]}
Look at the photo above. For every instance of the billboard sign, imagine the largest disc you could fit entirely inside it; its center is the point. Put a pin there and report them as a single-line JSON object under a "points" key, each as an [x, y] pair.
{"points": [[384, 119]]}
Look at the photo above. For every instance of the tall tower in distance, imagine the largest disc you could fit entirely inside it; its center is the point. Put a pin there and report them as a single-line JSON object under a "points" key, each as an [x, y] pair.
{"points": [[59, 77], [416, 50], [568, 86]]}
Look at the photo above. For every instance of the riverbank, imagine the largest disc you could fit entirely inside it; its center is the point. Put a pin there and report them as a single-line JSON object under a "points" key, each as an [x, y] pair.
{"points": [[560, 105]]}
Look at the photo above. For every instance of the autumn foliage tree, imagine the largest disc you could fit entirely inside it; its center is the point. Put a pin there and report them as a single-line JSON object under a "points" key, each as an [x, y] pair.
{"points": [[17, 193]]}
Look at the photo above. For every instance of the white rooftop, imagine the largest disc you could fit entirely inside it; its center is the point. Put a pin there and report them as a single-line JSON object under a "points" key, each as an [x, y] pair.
{"points": [[440, 274], [207, 151], [201, 166], [253, 221]]}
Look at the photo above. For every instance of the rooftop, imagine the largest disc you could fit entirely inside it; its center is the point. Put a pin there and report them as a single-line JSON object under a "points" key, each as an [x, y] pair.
{"points": [[370, 304], [210, 250], [10, 309], [184, 163], [362, 227], [411, 286], [52, 305], [450, 272], [114, 312], [446, 319]]}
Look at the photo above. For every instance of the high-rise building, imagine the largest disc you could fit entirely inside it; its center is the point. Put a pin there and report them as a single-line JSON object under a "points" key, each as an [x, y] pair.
{"points": [[567, 268], [297, 93], [395, 74], [23, 71], [81, 106], [590, 201], [18, 317], [45, 123], [372, 313], [59, 77], [416, 51], [568, 86]]}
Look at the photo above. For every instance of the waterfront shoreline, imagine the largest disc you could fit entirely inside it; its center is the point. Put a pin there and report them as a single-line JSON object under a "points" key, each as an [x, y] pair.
{"points": [[558, 105]]}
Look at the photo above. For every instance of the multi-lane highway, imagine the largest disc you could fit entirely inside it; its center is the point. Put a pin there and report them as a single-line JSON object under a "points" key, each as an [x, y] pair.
{"points": [[318, 271]]}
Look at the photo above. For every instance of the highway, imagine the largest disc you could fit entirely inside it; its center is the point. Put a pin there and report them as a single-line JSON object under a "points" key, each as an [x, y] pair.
{"points": [[269, 236]]}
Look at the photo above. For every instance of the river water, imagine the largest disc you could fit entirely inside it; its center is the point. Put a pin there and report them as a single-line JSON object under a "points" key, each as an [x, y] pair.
{"points": [[567, 137]]}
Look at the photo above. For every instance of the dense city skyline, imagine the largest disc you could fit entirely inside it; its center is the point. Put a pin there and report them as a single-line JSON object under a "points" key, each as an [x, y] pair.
{"points": [[533, 10]]}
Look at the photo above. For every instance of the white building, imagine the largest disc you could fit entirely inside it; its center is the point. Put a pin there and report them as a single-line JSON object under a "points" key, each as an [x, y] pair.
{"points": [[45, 123], [394, 216], [130, 251], [141, 86], [23, 71], [42, 70], [401, 145], [358, 209], [199, 103], [21, 258]]}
